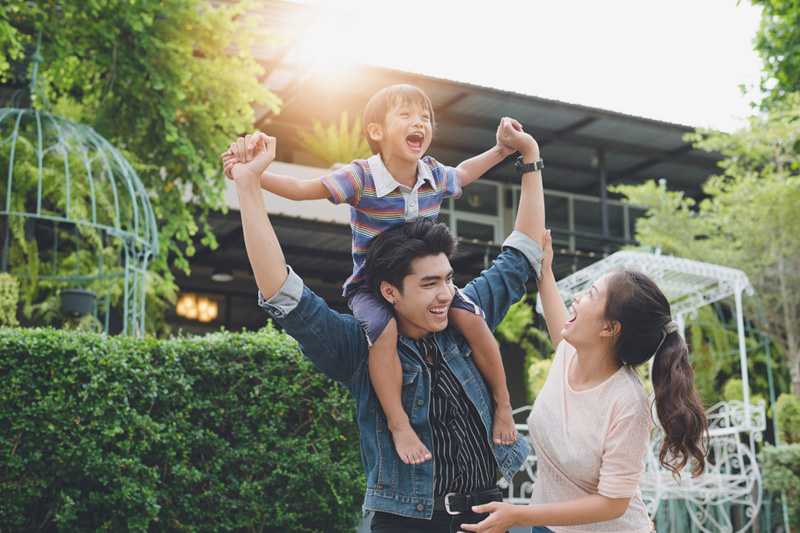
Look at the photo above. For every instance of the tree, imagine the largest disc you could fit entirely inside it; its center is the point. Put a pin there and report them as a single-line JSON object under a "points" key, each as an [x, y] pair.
{"points": [[156, 78], [748, 221], [778, 43]]}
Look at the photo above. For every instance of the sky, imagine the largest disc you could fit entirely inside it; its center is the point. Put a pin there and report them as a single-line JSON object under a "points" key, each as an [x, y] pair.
{"points": [[680, 61]]}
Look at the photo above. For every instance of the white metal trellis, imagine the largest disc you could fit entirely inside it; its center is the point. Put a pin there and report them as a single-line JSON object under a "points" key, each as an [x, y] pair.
{"points": [[732, 478]]}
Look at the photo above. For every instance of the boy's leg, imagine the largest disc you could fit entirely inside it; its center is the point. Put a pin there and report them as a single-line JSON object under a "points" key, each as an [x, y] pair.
{"points": [[487, 358], [386, 374]]}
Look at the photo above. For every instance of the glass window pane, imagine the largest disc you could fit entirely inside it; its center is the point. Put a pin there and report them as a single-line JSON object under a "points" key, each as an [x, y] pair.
{"points": [[587, 216], [616, 220], [633, 214], [557, 211], [475, 230], [479, 198]]}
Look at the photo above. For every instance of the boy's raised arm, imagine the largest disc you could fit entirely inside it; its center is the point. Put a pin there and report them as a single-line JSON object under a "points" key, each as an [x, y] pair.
{"points": [[285, 186], [475, 167], [263, 248]]}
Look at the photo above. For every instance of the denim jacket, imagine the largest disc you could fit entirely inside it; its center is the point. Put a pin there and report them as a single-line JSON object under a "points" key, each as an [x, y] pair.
{"points": [[336, 344]]}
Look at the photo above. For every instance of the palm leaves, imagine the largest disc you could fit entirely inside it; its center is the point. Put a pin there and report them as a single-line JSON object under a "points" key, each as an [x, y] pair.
{"points": [[335, 144]]}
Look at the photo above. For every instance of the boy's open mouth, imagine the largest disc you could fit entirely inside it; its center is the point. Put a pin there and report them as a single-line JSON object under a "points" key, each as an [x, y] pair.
{"points": [[415, 141]]}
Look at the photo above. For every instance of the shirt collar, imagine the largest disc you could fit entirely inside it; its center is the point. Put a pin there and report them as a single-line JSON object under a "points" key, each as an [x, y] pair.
{"points": [[385, 183]]}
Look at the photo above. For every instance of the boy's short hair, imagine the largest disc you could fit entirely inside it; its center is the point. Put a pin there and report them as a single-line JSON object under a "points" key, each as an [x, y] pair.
{"points": [[390, 254], [385, 99]]}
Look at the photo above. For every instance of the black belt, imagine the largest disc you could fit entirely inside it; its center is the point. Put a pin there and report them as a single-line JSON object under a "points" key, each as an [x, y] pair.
{"points": [[457, 503]]}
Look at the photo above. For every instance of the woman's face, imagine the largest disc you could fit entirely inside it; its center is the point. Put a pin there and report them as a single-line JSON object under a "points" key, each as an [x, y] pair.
{"points": [[588, 309]]}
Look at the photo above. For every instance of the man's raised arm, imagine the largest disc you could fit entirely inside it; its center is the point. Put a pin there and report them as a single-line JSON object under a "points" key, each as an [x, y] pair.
{"points": [[530, 216], [530, 221], [263, 249]]}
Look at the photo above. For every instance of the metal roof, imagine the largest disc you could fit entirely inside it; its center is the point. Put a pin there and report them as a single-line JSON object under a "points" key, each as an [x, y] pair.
{"points": [[636, 149]]}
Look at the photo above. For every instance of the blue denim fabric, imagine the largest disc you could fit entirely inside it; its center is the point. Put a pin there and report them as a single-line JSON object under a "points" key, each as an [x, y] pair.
{"points": [[336, 344], [541, 529]]}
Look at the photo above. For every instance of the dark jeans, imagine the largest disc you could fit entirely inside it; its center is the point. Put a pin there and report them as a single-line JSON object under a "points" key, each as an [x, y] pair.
{"points": [[541, 529], [440, 523]]}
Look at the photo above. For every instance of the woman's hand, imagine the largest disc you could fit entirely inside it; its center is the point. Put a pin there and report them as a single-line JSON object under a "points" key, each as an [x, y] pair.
{"points": [[547, 248], [502, 517]]}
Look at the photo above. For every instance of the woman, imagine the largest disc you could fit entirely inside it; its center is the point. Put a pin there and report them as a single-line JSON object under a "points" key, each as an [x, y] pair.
{"points": [[591, 421]]}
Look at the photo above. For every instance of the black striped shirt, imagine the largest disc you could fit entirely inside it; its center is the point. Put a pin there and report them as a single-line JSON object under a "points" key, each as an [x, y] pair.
{"points": [[462, 457]]}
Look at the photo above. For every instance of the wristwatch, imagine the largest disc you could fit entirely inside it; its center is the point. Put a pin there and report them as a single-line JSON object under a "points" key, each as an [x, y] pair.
{"points": [[522, 168]]}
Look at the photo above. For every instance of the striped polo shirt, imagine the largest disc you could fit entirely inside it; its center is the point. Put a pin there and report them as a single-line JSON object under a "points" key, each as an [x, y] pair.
{"points": [[378, 202]]}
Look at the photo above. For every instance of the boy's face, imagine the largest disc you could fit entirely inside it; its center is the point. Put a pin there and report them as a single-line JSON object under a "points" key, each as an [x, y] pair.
{"points": [[405, 134]]}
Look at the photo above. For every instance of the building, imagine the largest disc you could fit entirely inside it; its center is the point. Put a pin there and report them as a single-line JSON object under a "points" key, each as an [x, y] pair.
{"points": [[584, 149]]}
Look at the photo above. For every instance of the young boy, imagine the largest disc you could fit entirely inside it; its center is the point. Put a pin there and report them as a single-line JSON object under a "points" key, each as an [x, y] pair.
{"points": [[394, 186]]}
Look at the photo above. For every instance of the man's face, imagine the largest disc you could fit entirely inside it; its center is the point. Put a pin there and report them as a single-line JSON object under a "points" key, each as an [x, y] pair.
{"points": [[422, 306]]}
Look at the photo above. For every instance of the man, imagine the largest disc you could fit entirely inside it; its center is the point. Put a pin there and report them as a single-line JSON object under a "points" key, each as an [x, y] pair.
{"points": [[444, 395]]}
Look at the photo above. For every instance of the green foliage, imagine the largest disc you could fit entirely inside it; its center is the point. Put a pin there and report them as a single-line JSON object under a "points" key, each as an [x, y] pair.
{"points": [[787, 418], [748, 221], [218, 433], [334, 144], [9, 297], [714, 353], [778, 43], [734, 390], [780, 473], [537, 375], [518, 328], [157, 78]]}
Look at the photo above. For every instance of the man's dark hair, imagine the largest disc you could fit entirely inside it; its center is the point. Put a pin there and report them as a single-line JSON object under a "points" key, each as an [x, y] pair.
{"points": [[390, 255]]}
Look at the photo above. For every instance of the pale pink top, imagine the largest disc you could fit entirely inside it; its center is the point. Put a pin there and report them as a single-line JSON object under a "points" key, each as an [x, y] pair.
{"points": [[591, 441]]}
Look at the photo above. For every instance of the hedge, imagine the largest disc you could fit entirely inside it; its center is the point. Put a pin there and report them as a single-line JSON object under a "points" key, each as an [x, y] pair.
{"points": [[780, 473], [226, 432]]}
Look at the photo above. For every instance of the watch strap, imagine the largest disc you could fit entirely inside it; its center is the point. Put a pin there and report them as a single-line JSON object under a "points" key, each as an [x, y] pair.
{"points": [[523, 168]]}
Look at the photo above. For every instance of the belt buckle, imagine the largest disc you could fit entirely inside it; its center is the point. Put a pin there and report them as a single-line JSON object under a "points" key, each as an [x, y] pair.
{"points": [[447, 504]]}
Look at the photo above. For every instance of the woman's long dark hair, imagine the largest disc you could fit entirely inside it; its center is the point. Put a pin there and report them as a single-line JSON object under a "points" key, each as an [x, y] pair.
{"points": [[635, 301]]}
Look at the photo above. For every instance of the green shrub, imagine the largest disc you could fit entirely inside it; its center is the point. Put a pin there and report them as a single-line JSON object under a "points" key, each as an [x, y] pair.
{"points": [[734, 390], [787, 417], [227, 432], [9, 298], [537, 375], [780, 472]]}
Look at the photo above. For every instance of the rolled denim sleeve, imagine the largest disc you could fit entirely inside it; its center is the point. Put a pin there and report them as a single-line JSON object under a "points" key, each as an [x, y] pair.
{"points": [[529, 248], [333, 342], [286, 299], [496, 289]]}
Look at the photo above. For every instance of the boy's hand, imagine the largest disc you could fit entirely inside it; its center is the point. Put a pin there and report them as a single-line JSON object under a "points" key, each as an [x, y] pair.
{"points": [[511, 134], [505, 149], [228, 160], [254, 154]]}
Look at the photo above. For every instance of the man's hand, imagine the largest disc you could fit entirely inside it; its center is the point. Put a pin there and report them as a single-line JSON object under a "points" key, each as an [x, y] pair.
{"points": [[253, 154]]}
